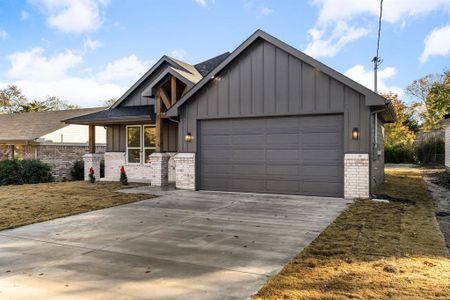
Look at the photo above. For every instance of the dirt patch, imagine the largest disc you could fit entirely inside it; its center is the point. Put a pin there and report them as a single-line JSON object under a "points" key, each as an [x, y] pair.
{"points": [[27, 204], [373, 250]]}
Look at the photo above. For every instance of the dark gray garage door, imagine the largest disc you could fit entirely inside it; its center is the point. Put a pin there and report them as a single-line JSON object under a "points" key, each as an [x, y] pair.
{"points": [[289, 155]]}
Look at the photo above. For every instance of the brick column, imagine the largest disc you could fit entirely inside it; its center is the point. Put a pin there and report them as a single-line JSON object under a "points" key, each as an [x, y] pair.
{"points": [[356, 172], [185, 171], [159, 169], [92, 160]]}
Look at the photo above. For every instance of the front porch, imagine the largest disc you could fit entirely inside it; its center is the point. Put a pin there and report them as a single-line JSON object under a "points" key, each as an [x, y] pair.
{"points": [[142, 139]]}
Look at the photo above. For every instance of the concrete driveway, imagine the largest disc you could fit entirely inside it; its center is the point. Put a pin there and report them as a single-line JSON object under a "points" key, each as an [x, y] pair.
{"points": [[182, 245]]}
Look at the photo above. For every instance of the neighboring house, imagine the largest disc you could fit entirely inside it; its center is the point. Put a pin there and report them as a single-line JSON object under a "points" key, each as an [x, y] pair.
{"points": [[264, 118], [42, 136], [447, 141]]}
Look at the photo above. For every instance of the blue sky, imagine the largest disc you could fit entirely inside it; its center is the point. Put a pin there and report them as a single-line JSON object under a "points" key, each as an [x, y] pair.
{"points": [[86, 51]]}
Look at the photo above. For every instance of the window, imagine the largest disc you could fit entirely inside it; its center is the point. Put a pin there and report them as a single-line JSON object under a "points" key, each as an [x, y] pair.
{"points": [[149, 142], [134, 144], [140, 143]]}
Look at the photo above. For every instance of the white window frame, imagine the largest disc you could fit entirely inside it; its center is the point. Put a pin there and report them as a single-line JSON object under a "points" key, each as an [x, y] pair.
{"points": [[134, 148], [143, 143], [141, 147]]}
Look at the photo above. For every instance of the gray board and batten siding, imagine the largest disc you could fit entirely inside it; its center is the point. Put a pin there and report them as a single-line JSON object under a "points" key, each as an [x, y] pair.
{"points": [[264, 80]]}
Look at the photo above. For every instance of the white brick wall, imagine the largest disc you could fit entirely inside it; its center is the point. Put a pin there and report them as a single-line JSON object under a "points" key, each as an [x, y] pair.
{"points": [[92, 160], [356, 173], [447, 144], [135, 172], [159, 163], [185, 171]]}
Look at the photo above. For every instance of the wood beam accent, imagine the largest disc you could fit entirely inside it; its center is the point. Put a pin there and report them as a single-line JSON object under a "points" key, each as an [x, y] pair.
{"points": [[164, 97], [91, 138], [158, 122], [186, 89], [173, 89]]}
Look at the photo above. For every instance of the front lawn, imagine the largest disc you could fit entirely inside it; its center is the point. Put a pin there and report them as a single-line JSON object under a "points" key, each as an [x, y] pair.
{"points": [[31, 203], [373, 250]]}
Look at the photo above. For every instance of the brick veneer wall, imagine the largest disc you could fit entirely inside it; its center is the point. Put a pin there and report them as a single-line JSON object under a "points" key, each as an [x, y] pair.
{"points": [[356, 173], [185, 171], [135, 172], [59, 156]]}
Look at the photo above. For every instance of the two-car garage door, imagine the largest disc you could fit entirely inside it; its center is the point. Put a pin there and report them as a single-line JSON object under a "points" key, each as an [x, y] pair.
{"points": [[289, 155]]}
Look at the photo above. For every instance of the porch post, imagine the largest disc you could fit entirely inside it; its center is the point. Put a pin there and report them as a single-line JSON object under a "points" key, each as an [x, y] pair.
{"points": [[91, 138]]}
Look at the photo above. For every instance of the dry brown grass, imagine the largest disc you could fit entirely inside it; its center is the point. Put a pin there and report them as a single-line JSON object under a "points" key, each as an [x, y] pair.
{"points": [[26, 204], [373, 250]]}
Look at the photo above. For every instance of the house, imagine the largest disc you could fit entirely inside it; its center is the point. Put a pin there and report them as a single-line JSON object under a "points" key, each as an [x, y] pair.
{"points": [[42, 136], [264, 118], [447, 141]]}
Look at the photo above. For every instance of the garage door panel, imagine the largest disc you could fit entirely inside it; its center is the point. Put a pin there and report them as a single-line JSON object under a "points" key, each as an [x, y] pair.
{"points": [[284, 186], [251, 185], [320, 188], [290, 155]]}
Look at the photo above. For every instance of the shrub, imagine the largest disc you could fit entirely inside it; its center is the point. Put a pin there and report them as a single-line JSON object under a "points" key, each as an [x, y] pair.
{"points": [[399, 154], [91, 175], [24, 172], [35, 171], [77, 171], [430, 151], [123, 176]]}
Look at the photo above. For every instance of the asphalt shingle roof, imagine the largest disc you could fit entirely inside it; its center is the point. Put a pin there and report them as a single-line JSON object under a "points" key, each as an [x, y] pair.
{"points": [[208, 65], [33, 125], [121, 113]]}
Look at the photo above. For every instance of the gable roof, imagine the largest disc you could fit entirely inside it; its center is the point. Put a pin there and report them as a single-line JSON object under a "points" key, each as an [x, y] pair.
{"points": [[33, 125], [192, 73], [372, 98]]}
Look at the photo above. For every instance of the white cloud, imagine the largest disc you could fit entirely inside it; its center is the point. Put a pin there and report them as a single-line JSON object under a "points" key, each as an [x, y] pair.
{"points": [[40, 76], [89, 44], [204, 3], [436, 43], [33, 64], [265, 11], [393, 11], [24, 15], [335, 12], [366, 77], [179, 53], [3, 34], [201, 2], [73, 16], [343, 34], [124, 69]]}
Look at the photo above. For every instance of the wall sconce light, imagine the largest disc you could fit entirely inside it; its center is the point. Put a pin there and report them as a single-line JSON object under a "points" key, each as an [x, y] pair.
{"points": [[188, 137], [355, 133]]}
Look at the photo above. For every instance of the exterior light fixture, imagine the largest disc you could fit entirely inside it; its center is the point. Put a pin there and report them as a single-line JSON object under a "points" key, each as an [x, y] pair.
{"points": [[188, 137], [355, 133]]}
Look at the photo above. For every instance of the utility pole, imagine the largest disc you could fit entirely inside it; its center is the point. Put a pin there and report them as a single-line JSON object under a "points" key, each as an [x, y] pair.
{"points": [[377, 59]]}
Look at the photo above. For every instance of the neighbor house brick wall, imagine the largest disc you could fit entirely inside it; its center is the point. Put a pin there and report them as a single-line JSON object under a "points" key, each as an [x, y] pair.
{"points": [[59, 156], [62, 156], [447, 145], [185, 171], [356, 173]]}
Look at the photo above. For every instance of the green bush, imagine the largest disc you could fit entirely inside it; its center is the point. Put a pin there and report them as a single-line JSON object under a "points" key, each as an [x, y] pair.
{"points": [[24, 172], [77, 171], [430, 151], [398, 155]]}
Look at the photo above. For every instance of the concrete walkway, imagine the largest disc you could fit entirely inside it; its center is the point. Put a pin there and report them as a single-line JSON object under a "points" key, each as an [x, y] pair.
{"points": [[182, 245]]}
